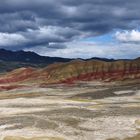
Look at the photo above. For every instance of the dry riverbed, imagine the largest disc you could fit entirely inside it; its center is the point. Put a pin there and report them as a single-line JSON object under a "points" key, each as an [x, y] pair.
{"points": [[87, 111]]}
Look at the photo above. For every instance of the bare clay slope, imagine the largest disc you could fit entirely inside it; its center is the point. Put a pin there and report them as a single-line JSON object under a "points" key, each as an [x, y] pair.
{"points": [[77, 70], [92, 70]]}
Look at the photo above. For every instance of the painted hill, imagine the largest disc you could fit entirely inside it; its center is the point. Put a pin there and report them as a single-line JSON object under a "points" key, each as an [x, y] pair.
{"points": [[77, 70], [93, 70]]}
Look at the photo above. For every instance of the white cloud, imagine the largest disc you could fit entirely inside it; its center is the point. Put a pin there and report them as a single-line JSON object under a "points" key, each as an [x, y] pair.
{"points": [[91, 49], [11, 39], [128, 36], [52, 33], [42, 35]]}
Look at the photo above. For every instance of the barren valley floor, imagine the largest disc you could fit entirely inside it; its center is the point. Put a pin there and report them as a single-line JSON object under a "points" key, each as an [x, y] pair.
{"points": [[87, 111]]}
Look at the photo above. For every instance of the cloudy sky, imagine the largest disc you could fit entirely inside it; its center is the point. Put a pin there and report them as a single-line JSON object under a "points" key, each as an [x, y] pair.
{"points": [[72, 28]]}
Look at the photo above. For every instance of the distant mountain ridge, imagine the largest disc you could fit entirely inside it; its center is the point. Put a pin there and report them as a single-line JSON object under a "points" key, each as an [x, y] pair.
{"points": [[28, 57], [32, 57], [10, 60]]}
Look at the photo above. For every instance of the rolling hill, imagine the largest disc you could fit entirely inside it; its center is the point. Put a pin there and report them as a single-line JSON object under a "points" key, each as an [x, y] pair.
{"points": [[73, 71]]}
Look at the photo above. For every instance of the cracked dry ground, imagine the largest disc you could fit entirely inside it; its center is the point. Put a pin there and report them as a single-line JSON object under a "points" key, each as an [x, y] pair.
{"points": [[89, 111]]}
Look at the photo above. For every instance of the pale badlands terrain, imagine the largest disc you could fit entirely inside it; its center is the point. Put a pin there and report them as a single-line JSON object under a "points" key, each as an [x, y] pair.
{"points": [[85, 111]]}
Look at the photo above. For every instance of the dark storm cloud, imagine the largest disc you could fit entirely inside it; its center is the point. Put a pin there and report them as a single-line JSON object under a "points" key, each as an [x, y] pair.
{"points": [[38, 22], [56, 46], [19, 21]]}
